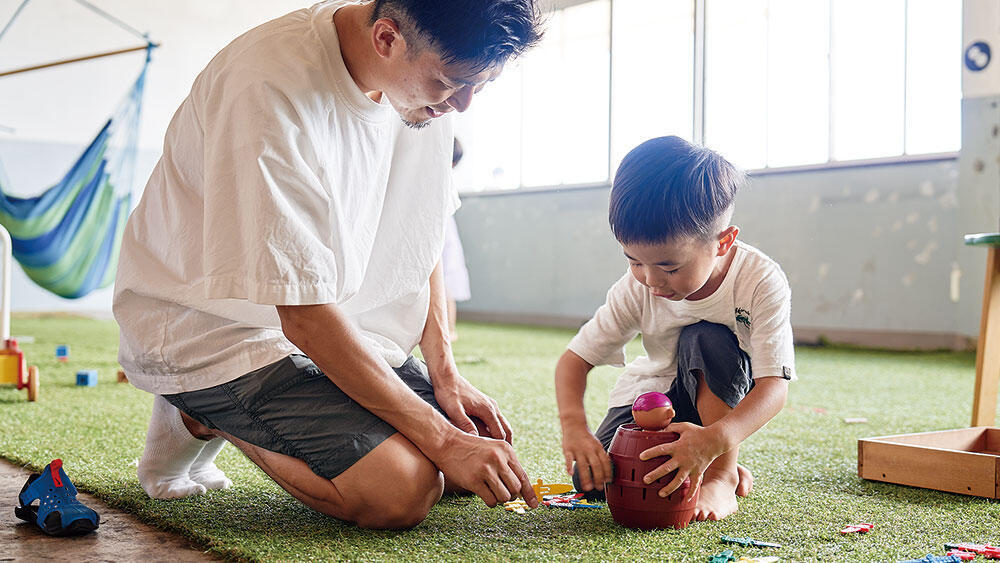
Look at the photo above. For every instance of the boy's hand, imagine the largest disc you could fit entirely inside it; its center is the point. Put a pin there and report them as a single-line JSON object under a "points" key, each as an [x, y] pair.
{"points": [[581, 446], [692, 453]]}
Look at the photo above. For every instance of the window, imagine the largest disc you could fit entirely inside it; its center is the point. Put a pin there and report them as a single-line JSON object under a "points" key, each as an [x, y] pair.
{"points": [[783, 83]]}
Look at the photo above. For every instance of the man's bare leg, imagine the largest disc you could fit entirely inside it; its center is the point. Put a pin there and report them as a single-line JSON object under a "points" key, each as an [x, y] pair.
{"points": [[393, 486], [723, 477]]}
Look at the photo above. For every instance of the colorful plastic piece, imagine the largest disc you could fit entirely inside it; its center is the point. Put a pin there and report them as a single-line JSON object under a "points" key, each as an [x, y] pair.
{"points": [[988, 551], [58, 513], [724, 557], [62, 353], [87, 378], [748, 542], [963, 555], [862, 528], [934, 559], [542, 489], [768, 559], [14, 370], [516, 505]]}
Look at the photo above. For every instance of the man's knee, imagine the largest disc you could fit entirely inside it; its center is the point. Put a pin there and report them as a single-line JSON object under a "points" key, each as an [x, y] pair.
{"points": [[401, 500]]}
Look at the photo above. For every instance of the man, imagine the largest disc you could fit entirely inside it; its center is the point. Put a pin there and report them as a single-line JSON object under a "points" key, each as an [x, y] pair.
{"points": [[284, 261]]}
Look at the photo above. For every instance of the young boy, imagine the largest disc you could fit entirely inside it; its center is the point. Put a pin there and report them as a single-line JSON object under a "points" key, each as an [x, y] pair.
{"points": [[714, 317]]}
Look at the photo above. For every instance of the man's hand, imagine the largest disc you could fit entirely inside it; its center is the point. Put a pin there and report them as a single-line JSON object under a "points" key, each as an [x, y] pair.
{"points": [[690, 455], [581, 446], [460, 400], [487, 467]]}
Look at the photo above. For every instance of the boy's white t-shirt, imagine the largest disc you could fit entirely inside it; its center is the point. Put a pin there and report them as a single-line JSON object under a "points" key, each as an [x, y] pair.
{"points": [[281, 183], [754, 301]]}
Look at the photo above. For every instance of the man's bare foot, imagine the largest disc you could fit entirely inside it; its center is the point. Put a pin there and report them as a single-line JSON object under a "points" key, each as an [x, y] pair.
{"points": [[745, 484], [717, 498]]}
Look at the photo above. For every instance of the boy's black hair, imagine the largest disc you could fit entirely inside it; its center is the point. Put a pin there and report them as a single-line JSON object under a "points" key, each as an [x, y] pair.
{"points": [[483, 33], [667, 188]]}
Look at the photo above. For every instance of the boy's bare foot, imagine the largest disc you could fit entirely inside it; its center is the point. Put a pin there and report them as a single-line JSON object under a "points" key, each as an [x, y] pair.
{"points": [[717, 498], [745, 484]]}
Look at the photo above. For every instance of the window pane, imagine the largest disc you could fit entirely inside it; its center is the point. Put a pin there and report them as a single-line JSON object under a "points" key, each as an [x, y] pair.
{"points": [[735, 80], [867, 54], [933, 76], [798, 90], [490, 133], [565, 99], [653, 65]]}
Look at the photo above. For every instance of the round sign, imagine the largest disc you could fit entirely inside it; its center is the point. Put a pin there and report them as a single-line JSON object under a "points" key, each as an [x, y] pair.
{"points": [[977, 56]]}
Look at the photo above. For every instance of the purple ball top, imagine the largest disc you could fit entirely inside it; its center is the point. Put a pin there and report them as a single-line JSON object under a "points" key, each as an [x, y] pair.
{"points": [[650, 401]]}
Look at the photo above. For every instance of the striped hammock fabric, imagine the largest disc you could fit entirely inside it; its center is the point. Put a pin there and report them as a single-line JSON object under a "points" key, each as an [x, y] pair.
{"points": [[67, 239]]}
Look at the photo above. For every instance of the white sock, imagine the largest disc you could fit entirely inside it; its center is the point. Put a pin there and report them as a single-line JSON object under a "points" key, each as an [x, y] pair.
{"points": [[204, 471], [170, 451]]}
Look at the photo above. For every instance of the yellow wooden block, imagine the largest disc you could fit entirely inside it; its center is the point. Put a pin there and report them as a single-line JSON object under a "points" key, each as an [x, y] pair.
{"points": [[10, 368]]}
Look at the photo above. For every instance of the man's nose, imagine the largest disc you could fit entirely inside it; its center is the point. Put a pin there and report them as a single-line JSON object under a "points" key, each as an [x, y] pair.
{"points": [[462, 99]]}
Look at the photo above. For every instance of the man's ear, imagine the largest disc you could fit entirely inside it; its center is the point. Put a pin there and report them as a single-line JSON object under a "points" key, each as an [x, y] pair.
{"points": [[727, 239], [386, 38]]}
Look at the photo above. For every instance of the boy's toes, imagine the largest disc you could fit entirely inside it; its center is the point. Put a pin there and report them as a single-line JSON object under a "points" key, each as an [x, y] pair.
{"points": [[745, 484]]}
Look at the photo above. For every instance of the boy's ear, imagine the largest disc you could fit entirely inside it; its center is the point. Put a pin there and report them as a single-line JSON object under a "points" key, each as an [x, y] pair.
{"points": [[386, 38], [727, 239]]}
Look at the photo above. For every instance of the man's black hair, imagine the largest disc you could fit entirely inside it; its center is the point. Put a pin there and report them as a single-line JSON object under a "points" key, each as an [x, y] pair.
{"points": [[482, 33], [667, 188]]}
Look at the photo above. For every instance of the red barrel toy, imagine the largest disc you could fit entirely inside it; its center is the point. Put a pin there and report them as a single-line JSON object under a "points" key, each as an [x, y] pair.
{"points": [[633, 503]]}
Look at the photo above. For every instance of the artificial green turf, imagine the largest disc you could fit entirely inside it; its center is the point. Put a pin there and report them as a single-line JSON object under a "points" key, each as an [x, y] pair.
{"points": [[804, 462]]}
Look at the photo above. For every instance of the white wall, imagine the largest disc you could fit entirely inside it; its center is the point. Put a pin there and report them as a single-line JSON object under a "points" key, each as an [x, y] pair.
{"points": [[55, 112]]}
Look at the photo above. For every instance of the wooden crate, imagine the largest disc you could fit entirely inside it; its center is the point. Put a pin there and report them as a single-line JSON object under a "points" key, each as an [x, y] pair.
{"points": [[964, 461]]}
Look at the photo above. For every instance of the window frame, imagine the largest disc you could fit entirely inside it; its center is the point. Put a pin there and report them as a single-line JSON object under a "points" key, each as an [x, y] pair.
{"points": [[699, 113]]}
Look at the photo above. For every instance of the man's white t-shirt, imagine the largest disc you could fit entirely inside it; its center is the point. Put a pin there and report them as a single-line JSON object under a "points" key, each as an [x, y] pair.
{"points": [[754, 301], [280, 183]]}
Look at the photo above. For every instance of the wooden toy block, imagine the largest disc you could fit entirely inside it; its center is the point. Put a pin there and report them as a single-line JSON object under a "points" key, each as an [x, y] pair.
{"points": [[87, 378]]}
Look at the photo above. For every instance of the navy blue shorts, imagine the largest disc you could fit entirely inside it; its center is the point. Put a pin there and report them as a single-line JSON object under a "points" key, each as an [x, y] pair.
{"points": [[291, 407]]}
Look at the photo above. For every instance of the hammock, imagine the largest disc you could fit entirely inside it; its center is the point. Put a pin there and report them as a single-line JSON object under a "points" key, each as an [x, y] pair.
{"points": [[67, 239]]}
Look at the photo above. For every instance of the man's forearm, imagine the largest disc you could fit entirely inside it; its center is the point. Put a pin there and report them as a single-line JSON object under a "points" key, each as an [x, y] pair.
{"points": [[324, 334], [435, 341]]}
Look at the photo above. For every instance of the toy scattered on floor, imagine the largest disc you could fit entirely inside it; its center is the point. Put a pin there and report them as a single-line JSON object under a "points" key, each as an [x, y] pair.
{"points": [[934, 559], [122, 378], [724, 557], [768, 559], [635, 503], [13, 368], [652, 411], [747, 542], [57, 513], [86, 378], [570, 502], [516, 505], [862, 528], [963, 555], [62, 353], [542, 489], [988, 551]]}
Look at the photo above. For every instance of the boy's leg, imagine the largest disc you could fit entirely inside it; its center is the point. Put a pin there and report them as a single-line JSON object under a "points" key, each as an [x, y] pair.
{"points": [[616, 417], [715, 372]]}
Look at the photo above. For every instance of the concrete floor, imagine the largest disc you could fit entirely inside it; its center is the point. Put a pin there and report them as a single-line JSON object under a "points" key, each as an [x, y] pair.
{"points": [[120, 537]]}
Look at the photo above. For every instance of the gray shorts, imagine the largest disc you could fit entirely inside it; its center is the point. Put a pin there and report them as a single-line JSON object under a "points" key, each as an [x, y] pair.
{"points": [[291, 407]]}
